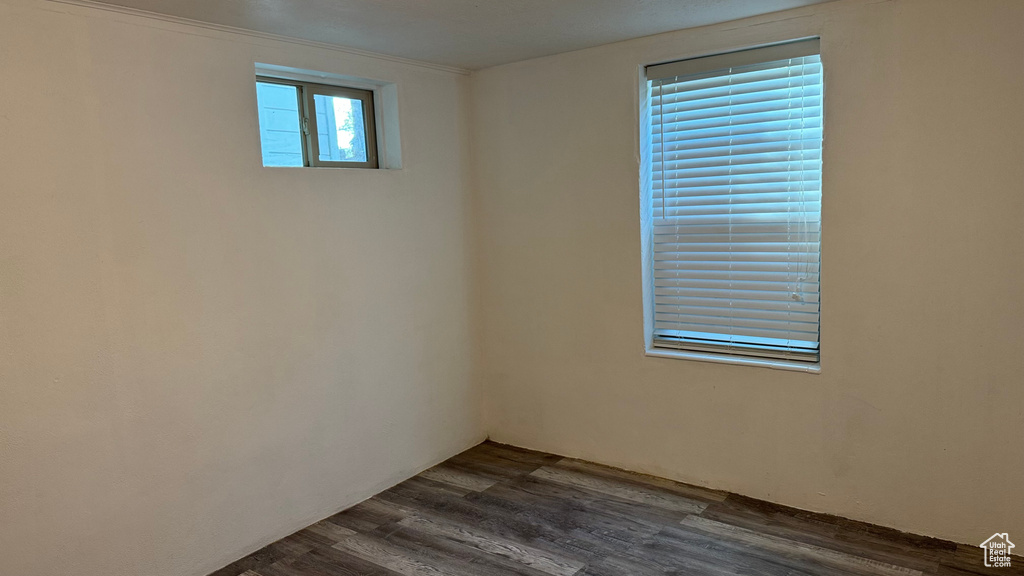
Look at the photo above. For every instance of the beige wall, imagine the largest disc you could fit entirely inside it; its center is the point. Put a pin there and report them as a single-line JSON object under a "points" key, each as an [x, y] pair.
{"points": [[916, 420], [199, 355]]}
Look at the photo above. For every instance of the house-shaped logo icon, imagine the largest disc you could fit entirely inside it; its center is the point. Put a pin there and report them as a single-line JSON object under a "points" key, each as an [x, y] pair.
{"points": [[997, 550]]}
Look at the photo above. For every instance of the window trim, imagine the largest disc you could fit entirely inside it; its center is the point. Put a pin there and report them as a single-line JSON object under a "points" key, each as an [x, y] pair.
{"points": [[723, 346], [698, 347], [718, 358], [306, 92]]}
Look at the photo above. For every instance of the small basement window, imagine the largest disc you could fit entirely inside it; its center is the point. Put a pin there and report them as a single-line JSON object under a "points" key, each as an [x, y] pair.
{"points": [[306, 124]]}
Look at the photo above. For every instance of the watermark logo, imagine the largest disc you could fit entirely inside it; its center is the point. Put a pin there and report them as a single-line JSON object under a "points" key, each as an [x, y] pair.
{"points": [[997, 550]]}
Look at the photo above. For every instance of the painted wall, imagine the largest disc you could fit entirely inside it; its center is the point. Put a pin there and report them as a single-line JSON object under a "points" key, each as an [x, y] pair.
{"points": [[917, 419], [199, 355]]}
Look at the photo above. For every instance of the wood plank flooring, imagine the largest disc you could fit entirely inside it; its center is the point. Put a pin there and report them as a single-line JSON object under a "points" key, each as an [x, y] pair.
{"points": [[497, 510]]}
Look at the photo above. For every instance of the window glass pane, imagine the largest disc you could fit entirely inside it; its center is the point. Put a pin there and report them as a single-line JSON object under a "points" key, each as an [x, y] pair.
{"points": [[340, 129], [280, 128]]}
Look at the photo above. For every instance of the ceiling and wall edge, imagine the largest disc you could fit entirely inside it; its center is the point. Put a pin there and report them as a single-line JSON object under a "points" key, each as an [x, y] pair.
{"points": [[177, 20]]}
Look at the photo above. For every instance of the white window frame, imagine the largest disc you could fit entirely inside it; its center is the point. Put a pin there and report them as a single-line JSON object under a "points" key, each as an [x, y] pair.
{"points": [[306, 92], [743, 354]]}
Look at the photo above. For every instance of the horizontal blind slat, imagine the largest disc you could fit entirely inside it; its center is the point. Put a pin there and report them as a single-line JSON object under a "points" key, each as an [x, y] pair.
{"points": [[739, 83], [727, 294], [811, 200], [682, 219], [740, 303], [709, 268], [783, 92], [735, 157], [784, 291], [681, 188], [769, 149], [727, 312], [739, 124], [781, 328], [781, 132], [755, 237], [770, 111], [727, 229], [738, 330], [784, 247], [753, 276], [783, 169]]}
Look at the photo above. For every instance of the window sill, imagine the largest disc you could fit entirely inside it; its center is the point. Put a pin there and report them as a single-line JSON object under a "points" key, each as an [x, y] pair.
{"points": [[364, 168], [807, 367]]}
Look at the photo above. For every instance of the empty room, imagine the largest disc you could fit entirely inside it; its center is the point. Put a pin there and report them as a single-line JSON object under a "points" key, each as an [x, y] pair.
{"points": [[511, 287]]}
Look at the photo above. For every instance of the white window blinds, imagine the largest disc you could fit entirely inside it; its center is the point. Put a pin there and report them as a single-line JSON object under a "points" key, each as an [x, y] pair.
{"points": [[736, 193]]}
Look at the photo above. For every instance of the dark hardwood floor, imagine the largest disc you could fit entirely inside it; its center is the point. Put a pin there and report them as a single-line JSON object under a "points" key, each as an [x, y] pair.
{"points": [[497, 510]]}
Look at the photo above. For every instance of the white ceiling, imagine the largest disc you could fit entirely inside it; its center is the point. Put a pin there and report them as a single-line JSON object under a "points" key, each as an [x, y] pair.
{"points": [[468, 34]]}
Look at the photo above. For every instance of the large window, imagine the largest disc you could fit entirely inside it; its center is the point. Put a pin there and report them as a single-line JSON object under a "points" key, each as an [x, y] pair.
{"points": [[304, 124], [734, 161]]}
